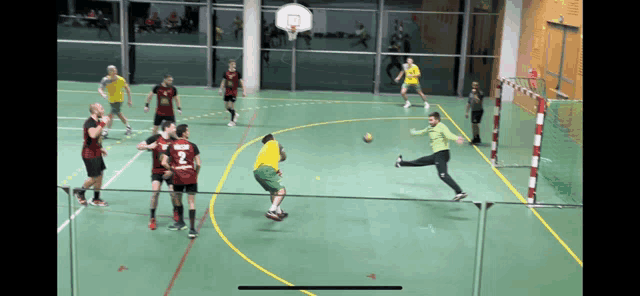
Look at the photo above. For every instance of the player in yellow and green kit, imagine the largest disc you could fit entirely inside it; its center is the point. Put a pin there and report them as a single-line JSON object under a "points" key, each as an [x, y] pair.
{"points": [[266, 172], [114, 84], [411, 80], [440, 136]]}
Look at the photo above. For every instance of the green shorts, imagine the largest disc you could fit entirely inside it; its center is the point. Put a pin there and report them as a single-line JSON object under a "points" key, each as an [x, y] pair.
{"points": [[416, 86], [115, 108], [268, 178]]}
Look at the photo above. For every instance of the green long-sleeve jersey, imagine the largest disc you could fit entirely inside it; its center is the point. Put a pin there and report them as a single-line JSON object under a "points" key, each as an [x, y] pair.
{"points": [[440, 136]]}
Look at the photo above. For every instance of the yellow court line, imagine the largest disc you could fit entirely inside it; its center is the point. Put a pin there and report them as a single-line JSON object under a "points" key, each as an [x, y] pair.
{"points": [[517, 194], [228, 169]]}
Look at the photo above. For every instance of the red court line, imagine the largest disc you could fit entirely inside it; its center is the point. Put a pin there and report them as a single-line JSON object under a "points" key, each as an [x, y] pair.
{"points": [[206, 212]]}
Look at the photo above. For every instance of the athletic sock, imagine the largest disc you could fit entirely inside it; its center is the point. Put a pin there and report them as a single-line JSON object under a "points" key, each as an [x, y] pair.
{"points": [[181, 213], [278, 210], [96, 195], [153, 213], [233, 113], [192, 218], [273, 208]]}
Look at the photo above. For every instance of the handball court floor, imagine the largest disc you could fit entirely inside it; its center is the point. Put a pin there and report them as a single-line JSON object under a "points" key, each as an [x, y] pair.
{"points": [[357, 215]]}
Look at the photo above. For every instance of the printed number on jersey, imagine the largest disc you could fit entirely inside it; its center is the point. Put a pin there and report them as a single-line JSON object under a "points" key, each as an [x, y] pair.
{"points": [[182, 155]]}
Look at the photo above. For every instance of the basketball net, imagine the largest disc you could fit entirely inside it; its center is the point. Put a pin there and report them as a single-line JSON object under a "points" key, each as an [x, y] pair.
{"points": [[292, 33]]}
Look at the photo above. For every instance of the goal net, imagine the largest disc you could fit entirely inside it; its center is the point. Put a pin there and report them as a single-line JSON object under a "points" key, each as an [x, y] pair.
{"points": [[542, 136]]}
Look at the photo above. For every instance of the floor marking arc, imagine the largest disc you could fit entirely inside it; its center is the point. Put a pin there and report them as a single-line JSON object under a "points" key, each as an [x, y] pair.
{"points": [[228, 169], [515, 192]]}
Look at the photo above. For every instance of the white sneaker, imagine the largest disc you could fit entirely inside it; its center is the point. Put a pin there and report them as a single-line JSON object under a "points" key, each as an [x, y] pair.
{"points": [[231, 123], [236, 117], [426, 105], [407, 105]]}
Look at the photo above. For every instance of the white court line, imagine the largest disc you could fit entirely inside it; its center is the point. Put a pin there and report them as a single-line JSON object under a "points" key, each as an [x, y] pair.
{"points": [[103, 187], [117, 130], [85, 118]]}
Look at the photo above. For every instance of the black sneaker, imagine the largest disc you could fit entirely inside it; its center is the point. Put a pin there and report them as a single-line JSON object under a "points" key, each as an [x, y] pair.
{"points": [[178, 226], [283, 215], [460, 196], [273, 216], [80, 197], [398, 160], [128, 132], [193, 233]]}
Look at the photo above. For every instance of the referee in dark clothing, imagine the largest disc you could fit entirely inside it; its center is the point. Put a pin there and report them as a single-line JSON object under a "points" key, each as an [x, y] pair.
{"points": [[475, 104]]}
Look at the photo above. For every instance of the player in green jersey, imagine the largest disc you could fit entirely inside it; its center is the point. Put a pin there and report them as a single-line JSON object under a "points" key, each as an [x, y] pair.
{"points": [[440, 136]]}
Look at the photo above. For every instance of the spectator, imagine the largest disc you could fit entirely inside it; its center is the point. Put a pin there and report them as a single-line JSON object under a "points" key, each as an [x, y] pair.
{"points": [[156, 23], [172, 22]]}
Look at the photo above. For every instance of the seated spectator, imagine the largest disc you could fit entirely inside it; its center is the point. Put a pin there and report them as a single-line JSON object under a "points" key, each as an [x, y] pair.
{"points": [[94, 22], [172, 22], [155, 21]]}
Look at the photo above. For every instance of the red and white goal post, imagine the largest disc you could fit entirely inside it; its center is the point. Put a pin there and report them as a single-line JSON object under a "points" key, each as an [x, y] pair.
{"points": [[541, 104]]}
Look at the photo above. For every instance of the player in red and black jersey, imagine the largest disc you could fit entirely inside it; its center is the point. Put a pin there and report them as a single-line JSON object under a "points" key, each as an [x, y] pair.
{"points": [[92, 153], [230, 81], [182, 159], [158, 144], [166, 93]]}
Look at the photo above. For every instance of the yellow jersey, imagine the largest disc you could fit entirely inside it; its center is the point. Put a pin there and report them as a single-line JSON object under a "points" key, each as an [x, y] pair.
{"points": [[414, 70], [269, 155], [115, 88]]}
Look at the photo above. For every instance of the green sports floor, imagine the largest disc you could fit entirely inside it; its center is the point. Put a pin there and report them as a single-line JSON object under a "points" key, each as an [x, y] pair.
{"points": [[352, 213]]}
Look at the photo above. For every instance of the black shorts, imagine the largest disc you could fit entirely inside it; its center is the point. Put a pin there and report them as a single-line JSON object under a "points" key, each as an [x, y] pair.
{"points": [[94, 166], [230, 98], [188, 188], [158, 177], [159, 118], [476, 116]]}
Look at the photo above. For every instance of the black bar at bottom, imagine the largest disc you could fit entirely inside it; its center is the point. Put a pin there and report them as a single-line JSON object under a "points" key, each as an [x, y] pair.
{"points": [[319, 287]]}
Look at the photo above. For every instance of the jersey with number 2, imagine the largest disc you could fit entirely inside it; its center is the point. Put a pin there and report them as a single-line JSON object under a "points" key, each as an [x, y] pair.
{"points": [[183, 154]]}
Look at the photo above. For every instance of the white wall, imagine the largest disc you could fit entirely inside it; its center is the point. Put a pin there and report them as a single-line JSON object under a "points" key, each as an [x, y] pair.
{"points": [[510, 43]]}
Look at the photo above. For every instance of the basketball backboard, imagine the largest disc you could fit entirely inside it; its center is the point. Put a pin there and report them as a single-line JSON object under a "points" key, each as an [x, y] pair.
{"points": [[294, 14]]}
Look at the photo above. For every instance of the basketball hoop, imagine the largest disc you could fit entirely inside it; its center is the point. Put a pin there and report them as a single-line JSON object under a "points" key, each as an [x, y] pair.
{"points": [[294, 18], [292, 33]]}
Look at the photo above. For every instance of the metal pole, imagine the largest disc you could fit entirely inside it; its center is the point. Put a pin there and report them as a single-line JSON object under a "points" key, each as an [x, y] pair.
{"points": [[293, 62], [72, 254], [72, 7], [124, 39], [482, 219], [376, 82], [209, 44], [463, 50]]}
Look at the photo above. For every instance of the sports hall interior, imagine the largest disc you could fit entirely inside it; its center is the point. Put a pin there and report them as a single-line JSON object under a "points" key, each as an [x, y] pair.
{"points": [[357, 224]]}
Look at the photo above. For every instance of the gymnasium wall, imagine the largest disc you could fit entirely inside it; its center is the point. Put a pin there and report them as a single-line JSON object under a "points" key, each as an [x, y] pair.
{"points": [[537, 45]]}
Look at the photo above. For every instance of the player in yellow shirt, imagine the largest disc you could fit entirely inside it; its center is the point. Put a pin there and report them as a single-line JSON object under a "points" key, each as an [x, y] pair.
{"points": [[411, 80], [114, 85], [266, 172]]}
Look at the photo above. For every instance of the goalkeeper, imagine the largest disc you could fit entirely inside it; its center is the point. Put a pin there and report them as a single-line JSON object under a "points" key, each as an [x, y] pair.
{"points": [[440, 136]]}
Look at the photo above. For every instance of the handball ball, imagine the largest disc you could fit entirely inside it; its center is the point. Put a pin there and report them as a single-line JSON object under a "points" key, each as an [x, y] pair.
{"points": [[368, 137]]}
